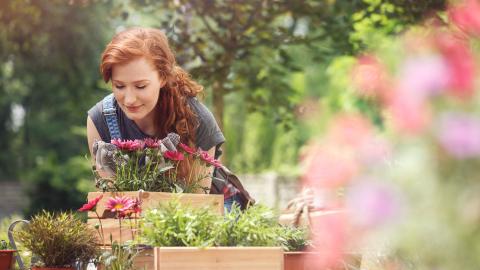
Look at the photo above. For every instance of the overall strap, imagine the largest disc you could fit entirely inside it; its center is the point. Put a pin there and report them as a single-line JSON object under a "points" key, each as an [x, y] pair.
{"points": [[110, 112]]}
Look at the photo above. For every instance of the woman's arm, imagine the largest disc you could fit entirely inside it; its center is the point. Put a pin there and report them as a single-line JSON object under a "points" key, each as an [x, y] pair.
{"points": [[93, 136], [203, 170]]}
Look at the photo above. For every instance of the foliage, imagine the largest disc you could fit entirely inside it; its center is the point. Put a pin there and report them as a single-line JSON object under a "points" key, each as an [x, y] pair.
{"points": [[4, 245], [120, 257], [256, 226], [293, 238], [176, 225], [59, 239]]}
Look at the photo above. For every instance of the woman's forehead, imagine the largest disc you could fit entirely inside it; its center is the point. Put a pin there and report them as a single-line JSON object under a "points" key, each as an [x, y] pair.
{"points": [[136, 70]]}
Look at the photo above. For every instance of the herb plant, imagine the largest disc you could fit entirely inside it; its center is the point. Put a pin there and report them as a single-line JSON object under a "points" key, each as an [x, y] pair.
{"points": [[178, 225]]}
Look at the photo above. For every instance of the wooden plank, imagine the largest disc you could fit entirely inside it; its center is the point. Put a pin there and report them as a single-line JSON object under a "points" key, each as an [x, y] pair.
{"points": [[111, 227], [153, 199], [225, 258]]}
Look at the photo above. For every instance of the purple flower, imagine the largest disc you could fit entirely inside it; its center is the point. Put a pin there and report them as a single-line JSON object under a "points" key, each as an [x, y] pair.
{"points": [[459, 135], [372, 203]]}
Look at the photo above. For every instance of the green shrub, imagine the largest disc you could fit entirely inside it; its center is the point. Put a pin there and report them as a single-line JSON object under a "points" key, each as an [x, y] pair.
{"points": [[59, 240]]}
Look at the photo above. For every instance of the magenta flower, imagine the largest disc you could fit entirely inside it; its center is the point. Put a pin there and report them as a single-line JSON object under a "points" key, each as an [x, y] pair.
{"points": [[187, 148], [128, 145], [209, 160], [174, 155], [90, 205], [119, 204], [460, 62], [465, 16], [152, 143], [459, 135]]}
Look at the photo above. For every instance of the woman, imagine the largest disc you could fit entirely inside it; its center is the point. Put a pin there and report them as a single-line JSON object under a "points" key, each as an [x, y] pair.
{"points": [[152, 95]]}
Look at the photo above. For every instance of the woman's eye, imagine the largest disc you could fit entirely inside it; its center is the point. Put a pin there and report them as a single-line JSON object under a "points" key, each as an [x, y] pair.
{"points": [[119, 86], [141, 86]]}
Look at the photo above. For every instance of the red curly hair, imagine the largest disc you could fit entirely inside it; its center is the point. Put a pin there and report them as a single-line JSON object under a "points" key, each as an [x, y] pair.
{"points": [[172, 114]]}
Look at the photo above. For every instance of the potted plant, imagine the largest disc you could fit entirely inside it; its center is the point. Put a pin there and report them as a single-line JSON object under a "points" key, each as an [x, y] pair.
{"points": [[148, 170], [210, 241], [6, 255], [59, 241]]}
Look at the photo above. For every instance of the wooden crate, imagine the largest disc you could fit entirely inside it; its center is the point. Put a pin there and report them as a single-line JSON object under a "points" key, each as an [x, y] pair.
{"points": [[149, 200], [225, 258]]}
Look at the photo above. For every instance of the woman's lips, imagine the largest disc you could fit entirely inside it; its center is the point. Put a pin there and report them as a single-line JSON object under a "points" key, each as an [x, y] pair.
{"points": [[133, 108]]}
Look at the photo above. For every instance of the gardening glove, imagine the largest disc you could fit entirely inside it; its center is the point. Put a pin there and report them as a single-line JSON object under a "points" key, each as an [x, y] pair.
{"points": [[170, 142], [104, 156]]}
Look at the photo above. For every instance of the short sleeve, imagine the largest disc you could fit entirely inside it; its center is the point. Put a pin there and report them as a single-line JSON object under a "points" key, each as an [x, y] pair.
{"points": [[208, 132], [96, 114]]}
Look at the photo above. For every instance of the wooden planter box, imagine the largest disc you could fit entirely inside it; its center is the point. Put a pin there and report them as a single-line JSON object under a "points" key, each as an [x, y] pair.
{"points": [[304, 260], [149, 200], [225, 258]]}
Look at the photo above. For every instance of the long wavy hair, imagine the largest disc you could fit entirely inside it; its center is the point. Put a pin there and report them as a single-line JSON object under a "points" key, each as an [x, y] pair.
{"points": [[172, 114]]}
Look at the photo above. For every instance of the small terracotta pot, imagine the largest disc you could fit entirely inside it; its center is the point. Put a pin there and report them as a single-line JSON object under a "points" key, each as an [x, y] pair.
{"points": [[6, 259]]}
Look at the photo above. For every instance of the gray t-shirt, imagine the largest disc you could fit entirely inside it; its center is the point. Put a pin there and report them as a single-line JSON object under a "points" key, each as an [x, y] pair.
{"points": [[208, 133]]}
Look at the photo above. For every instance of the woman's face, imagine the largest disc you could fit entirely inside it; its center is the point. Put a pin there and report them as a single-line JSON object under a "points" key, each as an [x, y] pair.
{"points": [[136, 86]]}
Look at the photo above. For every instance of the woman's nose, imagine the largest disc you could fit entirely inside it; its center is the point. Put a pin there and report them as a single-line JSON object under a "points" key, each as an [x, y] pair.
{"points": [[130, 97]]}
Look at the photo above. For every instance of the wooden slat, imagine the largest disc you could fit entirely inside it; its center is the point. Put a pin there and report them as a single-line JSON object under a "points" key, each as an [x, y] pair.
{"points": [[225, 258], [111, 227], [153, 199]]}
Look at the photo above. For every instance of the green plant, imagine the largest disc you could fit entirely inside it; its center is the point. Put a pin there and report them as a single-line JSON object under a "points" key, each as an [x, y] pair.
{"points": [[4, 245], [256, 226], [59, 240], [293, 238], [120, 257], [174, 224]]}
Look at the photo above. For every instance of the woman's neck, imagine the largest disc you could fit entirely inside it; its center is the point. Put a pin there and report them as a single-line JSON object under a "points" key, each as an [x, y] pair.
{"points": [[147, 126]]}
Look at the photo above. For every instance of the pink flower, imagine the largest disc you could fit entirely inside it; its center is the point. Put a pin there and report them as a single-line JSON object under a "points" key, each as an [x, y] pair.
{"points": [[423, 76], [373, 204], [209, 160], [128, 145], [466, 16], [187, 148], [409, 113], [369, 76], [90, 205], [174, 155], [152, 143], [119, 204], [460, 63], [134, 209], [329, 167], [459, 135]]}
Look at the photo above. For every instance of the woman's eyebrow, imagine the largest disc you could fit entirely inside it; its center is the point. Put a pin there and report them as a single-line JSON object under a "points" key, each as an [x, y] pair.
{"points": [[139, 81]]}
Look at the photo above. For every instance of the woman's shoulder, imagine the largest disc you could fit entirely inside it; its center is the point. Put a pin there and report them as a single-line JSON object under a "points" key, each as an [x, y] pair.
{"points": [[208, 131]]}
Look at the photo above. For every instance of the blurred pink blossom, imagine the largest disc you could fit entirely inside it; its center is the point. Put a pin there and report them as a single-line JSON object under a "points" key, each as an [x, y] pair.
{"points": [[466, 16], [409, 113], [329, 237], [424, 75], [350, 130], [460, 62], [371, 204], [328, 167], [459, 135], [369, 76]]}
